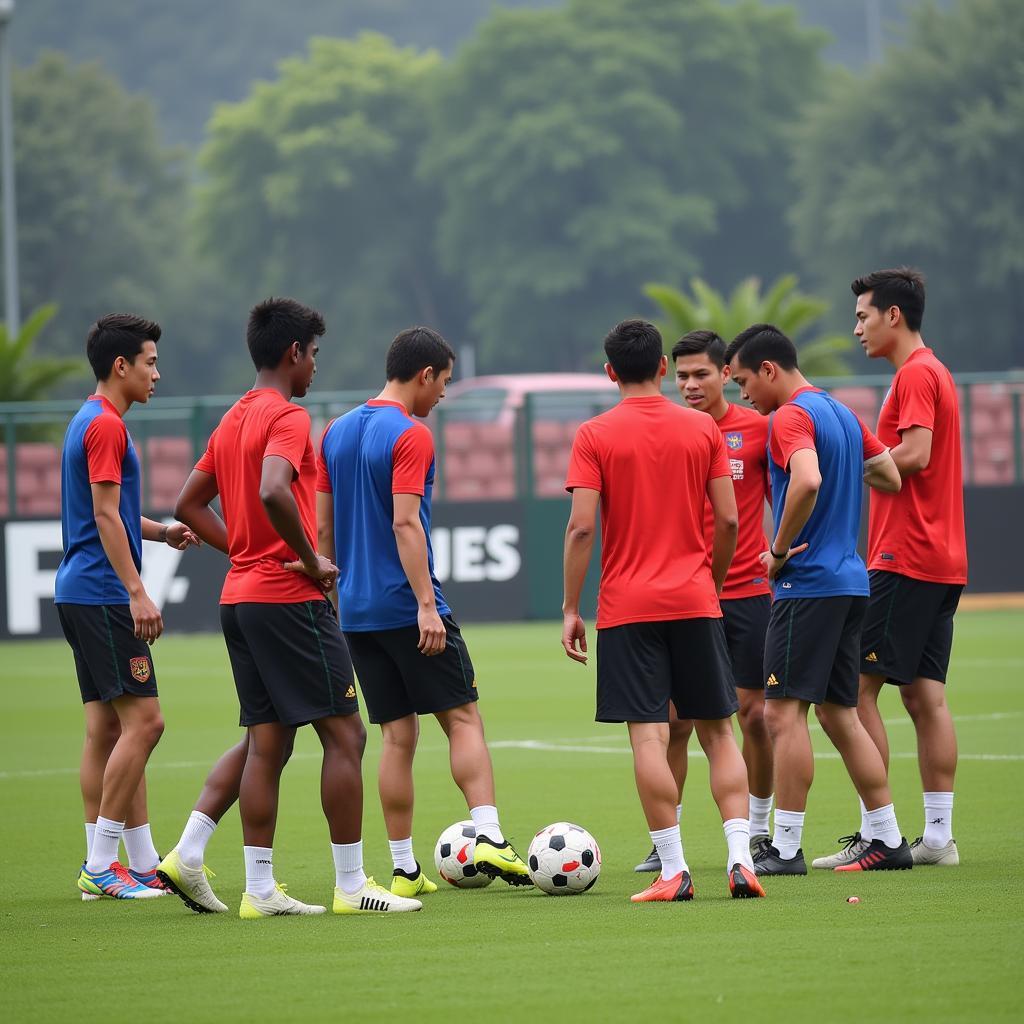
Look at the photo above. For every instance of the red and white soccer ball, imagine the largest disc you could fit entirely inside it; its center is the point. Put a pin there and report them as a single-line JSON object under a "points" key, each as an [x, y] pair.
{"points": [[453, 857], [564, 859]]}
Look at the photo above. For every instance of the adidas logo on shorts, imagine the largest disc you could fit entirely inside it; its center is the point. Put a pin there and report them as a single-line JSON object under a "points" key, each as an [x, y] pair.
{"points": [[772, 681], [350, 692], [872, 657]]}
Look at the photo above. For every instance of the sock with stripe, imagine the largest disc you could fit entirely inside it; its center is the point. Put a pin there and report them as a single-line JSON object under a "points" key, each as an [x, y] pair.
{"points": [[760, 812], [348, 866], [105, 841]]}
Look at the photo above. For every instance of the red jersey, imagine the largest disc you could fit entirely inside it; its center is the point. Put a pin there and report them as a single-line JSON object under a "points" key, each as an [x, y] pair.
{"points": [[919, 532], [745, 433], [259, 424], [651, 461]]}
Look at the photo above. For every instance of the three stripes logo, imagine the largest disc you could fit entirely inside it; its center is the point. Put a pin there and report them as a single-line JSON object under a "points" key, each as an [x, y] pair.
{"points": [[772, 681], [371, 903], [350, 692], [872, 657]]}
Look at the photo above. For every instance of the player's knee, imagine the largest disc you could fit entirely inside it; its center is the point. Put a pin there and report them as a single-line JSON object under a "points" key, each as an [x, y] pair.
{"points": [[104, 736], [751, 716], [151, 729], [680, 729], [775, 719]]}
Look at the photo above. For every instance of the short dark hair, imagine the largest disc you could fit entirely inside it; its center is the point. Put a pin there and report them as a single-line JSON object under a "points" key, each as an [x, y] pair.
{"points": [[696, 342], [902, 287], [275, 324], [634, 348], [117, 334], [760, 343], [413, 350]]}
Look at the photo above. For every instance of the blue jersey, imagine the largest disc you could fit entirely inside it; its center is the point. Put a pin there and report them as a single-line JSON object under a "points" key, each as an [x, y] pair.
{"points": [[831, 566], [367, 456], [97, 449]]}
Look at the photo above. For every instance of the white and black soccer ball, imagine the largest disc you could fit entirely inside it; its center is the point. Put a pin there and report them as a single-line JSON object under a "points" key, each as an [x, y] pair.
{"points": [[453, 857], [564, 859]]}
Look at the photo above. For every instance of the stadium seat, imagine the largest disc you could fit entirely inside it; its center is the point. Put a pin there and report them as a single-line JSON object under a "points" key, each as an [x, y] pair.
{"points": [[38, 479], [864, 401]]}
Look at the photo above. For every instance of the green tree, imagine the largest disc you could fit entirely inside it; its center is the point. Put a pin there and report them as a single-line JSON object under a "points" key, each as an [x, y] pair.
{"points": [[587, 150], [25, 376], [922, 162], [794, 313], [310, 190]]}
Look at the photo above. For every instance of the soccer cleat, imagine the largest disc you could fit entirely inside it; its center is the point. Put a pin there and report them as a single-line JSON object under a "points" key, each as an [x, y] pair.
{"points": [[853, 847], [879, 857], [87, 897], [944, 856], [409, 885], [500, 861], [151, 880], [277, 904], [115, 882], [743, 883], [768, 862], [677, 889], [651, 863], [759, 843], [190, 884], [374, 899]]}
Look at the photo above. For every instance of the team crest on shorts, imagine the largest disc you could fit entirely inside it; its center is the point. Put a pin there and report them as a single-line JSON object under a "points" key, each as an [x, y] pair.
{"points": [[734, 440], [140, 669]]}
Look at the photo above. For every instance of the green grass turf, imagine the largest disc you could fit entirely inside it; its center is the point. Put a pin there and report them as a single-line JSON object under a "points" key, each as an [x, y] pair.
{"points": [[938, 944]]}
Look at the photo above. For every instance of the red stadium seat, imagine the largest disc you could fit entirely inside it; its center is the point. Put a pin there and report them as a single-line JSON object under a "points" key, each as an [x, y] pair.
{"points": [[864, 401]]}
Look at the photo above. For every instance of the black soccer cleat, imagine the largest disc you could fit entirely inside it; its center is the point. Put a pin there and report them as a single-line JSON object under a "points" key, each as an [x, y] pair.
{"points": [[768, 862], [879, 857]]}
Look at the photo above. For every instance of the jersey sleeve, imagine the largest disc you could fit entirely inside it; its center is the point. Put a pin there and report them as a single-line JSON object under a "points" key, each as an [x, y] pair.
{"points": [[207, 463], [323, 477], [918, 397], [720, 465], [105, 441], [289, 435], [872, 446], [411, 458], [792, 429], [584, 463]]}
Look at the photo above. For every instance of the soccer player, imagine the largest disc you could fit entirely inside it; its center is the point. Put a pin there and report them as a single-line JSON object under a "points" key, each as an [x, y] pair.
{"points": [[108, 619], [917, 553], [819, 453], [701, 374], [287, 656], [375, 479], [651, 467]]}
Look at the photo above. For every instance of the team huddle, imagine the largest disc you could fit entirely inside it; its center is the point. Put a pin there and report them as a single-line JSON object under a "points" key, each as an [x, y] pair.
{"points": [[700, 615]]}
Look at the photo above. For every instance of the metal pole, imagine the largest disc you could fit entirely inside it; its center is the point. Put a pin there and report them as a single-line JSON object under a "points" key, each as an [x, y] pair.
{"points": [[12, 311]]}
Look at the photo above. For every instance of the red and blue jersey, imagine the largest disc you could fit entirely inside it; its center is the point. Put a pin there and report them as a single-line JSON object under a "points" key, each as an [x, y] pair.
{"points": [[366, 457], [97, 449]]}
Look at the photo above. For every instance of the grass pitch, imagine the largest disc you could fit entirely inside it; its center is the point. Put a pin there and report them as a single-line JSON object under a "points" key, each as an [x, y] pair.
{"points": [[938, 944]]}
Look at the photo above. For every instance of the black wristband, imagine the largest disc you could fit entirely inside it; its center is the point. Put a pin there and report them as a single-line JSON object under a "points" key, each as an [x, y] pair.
{"points": [[783, 556]]}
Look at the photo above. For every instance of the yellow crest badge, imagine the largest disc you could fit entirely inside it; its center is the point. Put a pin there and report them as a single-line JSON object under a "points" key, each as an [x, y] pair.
{"points": [[141, 669]]}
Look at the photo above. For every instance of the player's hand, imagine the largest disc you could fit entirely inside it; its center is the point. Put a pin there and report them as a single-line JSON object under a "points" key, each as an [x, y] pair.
{"points": [[574, 637], [179, 537], [149, 623], [323, 572], [433, 635], [773, 566]]}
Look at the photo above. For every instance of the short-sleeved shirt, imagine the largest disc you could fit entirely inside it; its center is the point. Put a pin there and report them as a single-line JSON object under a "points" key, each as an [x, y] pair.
{"points": [[831, 566], [366, 457], [651, 460], [97, 449], [919, 532], [260, 424], [745, 433]]}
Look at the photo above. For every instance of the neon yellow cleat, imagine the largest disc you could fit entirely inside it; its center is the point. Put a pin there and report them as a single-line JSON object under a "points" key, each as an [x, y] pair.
{"points": [[373, 899], [190, 884], [500, 862], [276, 905], [404, 884]]}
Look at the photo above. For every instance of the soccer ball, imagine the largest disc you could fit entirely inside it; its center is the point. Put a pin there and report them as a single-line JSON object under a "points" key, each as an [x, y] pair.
{"points": [[453, 857], [564, 859]]}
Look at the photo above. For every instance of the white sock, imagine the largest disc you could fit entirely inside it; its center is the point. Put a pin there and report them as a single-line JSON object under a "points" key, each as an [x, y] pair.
{"points": [[760, 812], [679, 813], [884, 826], [138, 844], [865, 822], [90, 831], [737, 835], [669, 844], [485, 818], [105, 841], [348, 866], [192, 844], [789, 830], [401, 854], [938, 819], [259, 871]]}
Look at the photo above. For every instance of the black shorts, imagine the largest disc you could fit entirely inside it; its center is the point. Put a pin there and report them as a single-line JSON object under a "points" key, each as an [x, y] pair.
{"points": [[109, 658], [908, 630], [289, 661], [746, 622], [812, 649], [397, 680], [643, 665]]}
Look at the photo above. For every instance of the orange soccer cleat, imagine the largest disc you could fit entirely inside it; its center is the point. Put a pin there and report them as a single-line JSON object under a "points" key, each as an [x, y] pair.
{"points": [[676, 889]]}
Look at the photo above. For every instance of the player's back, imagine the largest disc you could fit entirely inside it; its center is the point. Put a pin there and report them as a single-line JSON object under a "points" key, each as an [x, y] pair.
{"points": [[651, 461]]}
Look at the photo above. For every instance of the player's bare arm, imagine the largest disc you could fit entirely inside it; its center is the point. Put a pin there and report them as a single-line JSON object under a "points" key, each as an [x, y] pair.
{"points": [[174, 535], [722, 496], [106, 501], [914, 452], [412, 552], [579, 544], [193, 509], [325, 533], [882, 473], [801, 497]]}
